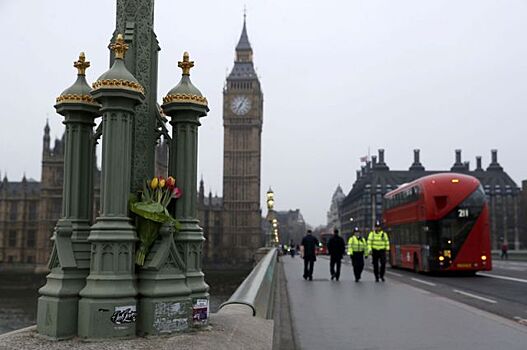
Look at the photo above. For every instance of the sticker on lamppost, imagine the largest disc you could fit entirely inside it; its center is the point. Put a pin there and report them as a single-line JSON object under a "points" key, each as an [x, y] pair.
{"points": [[124, 314], [200, 312], [170, 317]]}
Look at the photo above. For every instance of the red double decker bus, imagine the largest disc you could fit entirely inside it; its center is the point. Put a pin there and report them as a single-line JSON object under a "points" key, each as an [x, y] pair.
{"points": [[323, 244], [439, 223]]}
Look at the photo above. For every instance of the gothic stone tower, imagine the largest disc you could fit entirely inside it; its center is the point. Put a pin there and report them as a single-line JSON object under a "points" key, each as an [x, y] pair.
{"points": [[242, 120], [50, 195]]}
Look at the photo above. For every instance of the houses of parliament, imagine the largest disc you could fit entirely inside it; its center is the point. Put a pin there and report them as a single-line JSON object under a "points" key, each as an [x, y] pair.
{"points": [[232, 224]]}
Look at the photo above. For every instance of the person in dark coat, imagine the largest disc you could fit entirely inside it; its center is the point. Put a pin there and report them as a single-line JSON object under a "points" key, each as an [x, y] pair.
{"points": [[308, 249], [336, 249]]}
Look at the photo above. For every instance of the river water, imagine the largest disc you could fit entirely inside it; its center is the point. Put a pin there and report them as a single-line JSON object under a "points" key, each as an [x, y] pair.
{"points": [[19, 294]]}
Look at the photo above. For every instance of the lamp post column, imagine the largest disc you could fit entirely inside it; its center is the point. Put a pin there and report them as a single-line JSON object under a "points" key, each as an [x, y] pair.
{"points": [[69, 263], [108, 305], [184, 104]]}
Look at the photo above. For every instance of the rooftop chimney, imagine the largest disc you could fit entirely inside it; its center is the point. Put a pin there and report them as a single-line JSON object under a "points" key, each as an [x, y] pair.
{"points": [[458, 165], [494, 165], [478, 164], [358, 174], [374, 160], [417, 166], [381, 165]]}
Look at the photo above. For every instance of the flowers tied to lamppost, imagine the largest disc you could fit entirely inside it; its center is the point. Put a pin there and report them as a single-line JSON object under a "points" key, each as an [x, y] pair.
{"points": [[151, 212]]}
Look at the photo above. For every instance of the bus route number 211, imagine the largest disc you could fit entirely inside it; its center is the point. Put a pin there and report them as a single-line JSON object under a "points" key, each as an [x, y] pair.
{"points": [[462, 213]]}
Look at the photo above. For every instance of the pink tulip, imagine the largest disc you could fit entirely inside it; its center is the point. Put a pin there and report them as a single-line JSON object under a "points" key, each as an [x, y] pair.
{"points": [[176, 193]]}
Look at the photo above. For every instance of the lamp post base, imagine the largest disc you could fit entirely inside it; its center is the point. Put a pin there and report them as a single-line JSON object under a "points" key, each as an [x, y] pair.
{"points": [[108, 318]]}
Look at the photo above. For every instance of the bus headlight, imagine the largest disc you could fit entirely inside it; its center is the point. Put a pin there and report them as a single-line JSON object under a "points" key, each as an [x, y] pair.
{"points": [[441, 258], [483, 257]]}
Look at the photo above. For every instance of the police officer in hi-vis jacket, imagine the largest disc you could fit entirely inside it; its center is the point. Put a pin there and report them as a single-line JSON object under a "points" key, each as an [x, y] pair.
{"points": [[357, 250], [378, 244]]}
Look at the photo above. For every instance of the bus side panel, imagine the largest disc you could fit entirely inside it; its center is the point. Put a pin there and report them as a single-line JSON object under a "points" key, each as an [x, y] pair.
{"points": [[408, 255], [475, 246]]}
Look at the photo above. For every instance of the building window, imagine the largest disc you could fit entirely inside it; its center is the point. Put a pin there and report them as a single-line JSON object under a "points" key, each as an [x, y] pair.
{"points": [[10, 259], [30, 259], [13, 214], [12, 239], [30, 239], [32, 210]]}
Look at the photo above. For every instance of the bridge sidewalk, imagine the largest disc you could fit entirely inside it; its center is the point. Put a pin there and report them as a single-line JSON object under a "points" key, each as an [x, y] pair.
{"points": [[367, 315]]}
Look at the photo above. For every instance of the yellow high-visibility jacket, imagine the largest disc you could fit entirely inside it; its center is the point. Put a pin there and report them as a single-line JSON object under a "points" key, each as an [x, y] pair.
{"points": [[378, 241], [356, 244]]}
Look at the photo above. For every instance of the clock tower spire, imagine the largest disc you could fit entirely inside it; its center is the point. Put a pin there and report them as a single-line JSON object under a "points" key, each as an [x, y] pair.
{"points": [[242, 120]]}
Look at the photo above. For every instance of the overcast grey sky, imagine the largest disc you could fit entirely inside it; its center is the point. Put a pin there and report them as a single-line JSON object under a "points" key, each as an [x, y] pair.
{"points": [[338, 77]]}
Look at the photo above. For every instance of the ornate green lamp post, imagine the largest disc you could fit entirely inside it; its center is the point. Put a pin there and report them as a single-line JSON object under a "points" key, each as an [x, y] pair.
{"points": [[185, 104], [108, 305], [70, 258]]}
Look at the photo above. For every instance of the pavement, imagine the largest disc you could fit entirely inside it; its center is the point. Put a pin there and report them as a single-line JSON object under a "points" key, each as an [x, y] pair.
{"points": [[232, 329], [391, 315]]}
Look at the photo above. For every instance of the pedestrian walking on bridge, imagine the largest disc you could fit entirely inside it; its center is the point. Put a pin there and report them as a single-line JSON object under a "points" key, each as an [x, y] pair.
{"points": [[378, 244], [308, 251], [357, 250], [336, 249]]}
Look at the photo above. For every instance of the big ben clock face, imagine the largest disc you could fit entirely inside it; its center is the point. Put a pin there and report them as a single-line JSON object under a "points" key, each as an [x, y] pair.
{"points": [[240, 105]]}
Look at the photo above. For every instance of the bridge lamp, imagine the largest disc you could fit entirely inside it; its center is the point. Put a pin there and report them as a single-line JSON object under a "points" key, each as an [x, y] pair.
{"points": [[270, 199]]}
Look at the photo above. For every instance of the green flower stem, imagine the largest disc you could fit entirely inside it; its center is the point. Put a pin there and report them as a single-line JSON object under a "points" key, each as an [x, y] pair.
{"points": [[148, 231]]}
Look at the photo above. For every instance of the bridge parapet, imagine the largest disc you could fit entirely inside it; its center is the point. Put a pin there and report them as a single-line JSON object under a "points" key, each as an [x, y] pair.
{"points": [[255, 295], [520, 255]]}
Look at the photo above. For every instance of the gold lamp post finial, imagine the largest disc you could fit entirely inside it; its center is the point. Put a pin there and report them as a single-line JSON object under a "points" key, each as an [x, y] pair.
{"points": [[186, 64], [81, 64], [119, 47]]}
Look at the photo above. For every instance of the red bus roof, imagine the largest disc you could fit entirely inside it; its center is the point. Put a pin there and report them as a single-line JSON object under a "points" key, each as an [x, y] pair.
{"points": [[435, 183], [438, 195]]}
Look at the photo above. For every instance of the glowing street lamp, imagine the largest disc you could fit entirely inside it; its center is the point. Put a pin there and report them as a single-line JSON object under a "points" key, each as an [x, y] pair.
{"points": [[272, 237]]}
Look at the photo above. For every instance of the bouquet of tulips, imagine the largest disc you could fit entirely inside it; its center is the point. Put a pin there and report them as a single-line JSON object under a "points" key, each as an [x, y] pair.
{"points": [[152, 212]]}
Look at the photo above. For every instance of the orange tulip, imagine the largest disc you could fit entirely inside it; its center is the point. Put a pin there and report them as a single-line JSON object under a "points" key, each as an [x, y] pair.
{"points": [[162, 182], [171, 182]]}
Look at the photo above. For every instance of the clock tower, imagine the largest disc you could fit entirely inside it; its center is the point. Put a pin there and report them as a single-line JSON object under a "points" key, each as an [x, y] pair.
{"points": [[242, 121]]}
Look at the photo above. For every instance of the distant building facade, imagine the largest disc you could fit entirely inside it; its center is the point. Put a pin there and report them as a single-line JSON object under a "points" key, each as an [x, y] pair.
{"points": [[291, 226], [29, 211], [365, 200], [333, 212]]}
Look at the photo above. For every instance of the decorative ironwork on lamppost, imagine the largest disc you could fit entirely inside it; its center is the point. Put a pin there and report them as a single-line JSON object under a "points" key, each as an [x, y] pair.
{"points": [[108, 304], [185, 105], [70, 259]]}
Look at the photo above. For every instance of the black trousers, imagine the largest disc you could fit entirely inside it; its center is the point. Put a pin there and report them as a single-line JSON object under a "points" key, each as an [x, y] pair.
{"points": [[332, 262], [308, 268], [357, 260], [378, 255]]}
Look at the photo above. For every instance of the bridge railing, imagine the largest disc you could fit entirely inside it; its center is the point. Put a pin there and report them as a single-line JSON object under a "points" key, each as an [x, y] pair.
{"points": [[512, 255], [256, 293]]}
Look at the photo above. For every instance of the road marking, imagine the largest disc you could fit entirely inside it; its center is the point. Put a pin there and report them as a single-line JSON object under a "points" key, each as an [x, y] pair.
{"points": [[502, 277], [423, 282], [394, 273], [475, 296]]}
